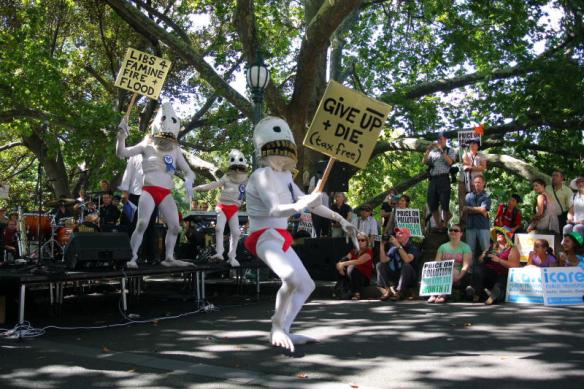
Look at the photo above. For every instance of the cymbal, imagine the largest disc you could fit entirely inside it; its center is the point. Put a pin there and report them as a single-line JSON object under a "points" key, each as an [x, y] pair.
{"points": [[64, 200]]}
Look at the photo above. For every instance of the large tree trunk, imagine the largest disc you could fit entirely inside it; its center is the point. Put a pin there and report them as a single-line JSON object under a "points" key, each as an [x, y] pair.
{"points": [[53, 164]]}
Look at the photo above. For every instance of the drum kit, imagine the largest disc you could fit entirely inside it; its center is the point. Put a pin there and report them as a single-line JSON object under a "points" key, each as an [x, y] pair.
{"points": [[45, 236]]}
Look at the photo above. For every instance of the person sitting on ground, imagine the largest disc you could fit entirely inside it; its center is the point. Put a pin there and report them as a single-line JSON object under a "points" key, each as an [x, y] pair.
{"points": [[509, 215], [473, 164], [461, 253], [340, 206], [497, 261], [397, 269], [572, 245], [542, 254], [366, 223], [576, 211], [357, 266], [403, 202], [545, 218]]}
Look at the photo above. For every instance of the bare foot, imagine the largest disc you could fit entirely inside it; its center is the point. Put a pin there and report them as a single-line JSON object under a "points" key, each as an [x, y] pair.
{"points": [[279, 338], [302, 339]]}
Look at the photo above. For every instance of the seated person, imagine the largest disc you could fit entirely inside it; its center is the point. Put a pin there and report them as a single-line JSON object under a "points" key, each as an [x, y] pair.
{"points": [[572, 249], [576, 211], [90, 224], [356, 267], [497, 261], [509, 215], [10, 241], [542, 254], [397, 269], [461, 253]]}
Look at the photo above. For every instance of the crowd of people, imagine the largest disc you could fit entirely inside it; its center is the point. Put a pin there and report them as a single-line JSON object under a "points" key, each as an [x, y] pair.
{"points": [[481, 244]]}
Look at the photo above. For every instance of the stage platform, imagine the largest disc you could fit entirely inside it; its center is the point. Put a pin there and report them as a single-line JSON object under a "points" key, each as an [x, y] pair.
{"points": [[55, 278]]}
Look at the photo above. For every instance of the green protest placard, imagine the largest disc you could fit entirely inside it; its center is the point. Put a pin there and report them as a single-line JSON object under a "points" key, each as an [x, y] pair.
{"points": [[346, 125], [437, 278], [410, 219], [142, 73]]}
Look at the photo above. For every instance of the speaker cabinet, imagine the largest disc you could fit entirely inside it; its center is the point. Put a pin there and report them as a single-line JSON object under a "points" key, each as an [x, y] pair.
{"points": [[319, 256], [339, 177], [98, 250]]}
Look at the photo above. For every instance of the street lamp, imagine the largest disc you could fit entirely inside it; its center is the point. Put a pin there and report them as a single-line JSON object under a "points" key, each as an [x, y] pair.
{"points": [[257, 77]]}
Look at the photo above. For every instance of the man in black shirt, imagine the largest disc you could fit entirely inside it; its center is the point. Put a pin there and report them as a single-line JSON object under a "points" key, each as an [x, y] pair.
{"points": [[342, 209], [109, 214]]}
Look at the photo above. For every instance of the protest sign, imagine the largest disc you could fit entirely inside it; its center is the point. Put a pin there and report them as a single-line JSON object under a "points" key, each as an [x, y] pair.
{"points": [[346, 125], [409, 218], [437, 278], [305, 223], [464, 138], [142, 73], [524, 243], [563, 285], [524, 285]]}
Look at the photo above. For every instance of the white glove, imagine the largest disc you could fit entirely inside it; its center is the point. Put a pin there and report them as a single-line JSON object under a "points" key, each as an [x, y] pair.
{"points": [[351, 232], [309, 201], [123, 128], [189, 188]]}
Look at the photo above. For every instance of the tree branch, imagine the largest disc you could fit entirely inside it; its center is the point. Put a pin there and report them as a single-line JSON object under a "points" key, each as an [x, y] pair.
{"points": [[449, 84], [316, 39], [27, 113], [11, 145], [399, 188], [143, 25]]}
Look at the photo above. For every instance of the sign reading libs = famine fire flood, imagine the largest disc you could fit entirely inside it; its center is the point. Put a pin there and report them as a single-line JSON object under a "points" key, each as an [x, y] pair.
{"points": [[142, 73]]}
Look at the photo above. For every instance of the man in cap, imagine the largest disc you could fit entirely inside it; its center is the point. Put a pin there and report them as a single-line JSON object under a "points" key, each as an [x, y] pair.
{"points": [[439, 157], [397, 268]]}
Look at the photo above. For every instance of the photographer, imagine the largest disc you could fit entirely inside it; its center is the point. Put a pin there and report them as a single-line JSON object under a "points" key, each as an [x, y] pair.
{"points": [[439, 158], [497, 261], [397, 265]]}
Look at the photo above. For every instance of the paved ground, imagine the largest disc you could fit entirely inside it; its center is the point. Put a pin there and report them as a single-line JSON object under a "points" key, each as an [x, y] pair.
{"points": [[366, 344]]}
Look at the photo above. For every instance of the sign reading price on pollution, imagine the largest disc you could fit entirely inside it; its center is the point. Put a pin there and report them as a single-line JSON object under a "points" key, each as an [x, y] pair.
{"points": [[346, 125], [142, 73]]}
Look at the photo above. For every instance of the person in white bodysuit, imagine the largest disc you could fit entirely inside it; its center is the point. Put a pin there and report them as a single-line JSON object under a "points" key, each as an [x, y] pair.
{"points": [[161, 156], [272, 196], [232, 186]]}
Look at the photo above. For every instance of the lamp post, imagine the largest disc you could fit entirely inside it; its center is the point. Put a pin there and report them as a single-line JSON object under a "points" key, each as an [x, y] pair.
{"points": [[257, 77]]}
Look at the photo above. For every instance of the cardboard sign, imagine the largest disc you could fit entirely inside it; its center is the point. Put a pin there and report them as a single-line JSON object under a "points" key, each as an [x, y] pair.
{"points": [[437, 278], [409, 218], [524, 243], [305, 223], [464, 138], [563, 285], [142, 73], [346, 125], [524, 285]]}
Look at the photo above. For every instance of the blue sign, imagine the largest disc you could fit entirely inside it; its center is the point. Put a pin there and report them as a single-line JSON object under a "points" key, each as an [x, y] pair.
{"points": [[524, 285], [563, 285]]}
